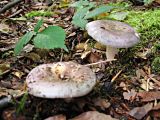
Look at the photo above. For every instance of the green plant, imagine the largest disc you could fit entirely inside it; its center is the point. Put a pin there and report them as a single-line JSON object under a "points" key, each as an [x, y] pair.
{"points": [[86, 10], [38, 13], [21, 105], [50, 38], [147, 23], [156, 64]]}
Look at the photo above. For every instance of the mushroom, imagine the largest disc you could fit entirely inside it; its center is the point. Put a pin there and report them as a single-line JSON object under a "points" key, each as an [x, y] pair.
{"points": [[113, 34], [60, 80]]}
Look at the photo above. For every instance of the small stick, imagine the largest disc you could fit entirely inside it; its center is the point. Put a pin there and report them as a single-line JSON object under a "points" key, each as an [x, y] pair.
{"points": [[110, 60], [113, 79], [16, 13], [9, 5]]}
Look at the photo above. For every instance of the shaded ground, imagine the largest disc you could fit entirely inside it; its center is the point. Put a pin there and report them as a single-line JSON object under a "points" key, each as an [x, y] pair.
{"points": [[131, 81]]}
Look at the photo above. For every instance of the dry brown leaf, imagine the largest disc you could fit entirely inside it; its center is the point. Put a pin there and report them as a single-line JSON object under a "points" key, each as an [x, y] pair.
{"points": [[4, 28], [33, 56], [93, 115], [18, 74], [157, 1], [56, 117], [14, 93], [140, 73], [130, 95], [93, 57], [140, 112], [102, 103], [147, 84], [149, 96], [9, 114], [156, 114], [4, 68]]}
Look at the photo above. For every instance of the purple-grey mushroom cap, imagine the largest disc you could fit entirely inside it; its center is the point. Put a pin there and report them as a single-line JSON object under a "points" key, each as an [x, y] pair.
{"points": [[60, 80], [112, 33]]}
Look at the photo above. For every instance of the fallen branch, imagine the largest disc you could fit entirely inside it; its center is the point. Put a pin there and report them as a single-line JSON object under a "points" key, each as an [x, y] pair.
{"points": [[100, 62], [9, 5]]}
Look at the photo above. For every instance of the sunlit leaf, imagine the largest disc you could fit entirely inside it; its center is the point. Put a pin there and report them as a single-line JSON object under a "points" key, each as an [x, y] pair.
{"points": [[50, 38], [23, 41], [98, 11], [82, 3], [118, 15], [38, 25], [78, 18]]}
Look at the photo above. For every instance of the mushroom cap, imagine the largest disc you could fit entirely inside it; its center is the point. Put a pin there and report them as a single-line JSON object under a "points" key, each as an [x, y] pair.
{"points": [[60, 80], [113, 33]]}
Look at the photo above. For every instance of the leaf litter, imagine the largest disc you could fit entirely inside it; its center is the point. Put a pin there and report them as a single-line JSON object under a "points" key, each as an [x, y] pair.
{"points": [[133, 93]]}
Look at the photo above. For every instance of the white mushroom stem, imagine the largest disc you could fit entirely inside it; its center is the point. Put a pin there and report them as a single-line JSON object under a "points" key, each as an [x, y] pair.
{"points": [[111, 52]]}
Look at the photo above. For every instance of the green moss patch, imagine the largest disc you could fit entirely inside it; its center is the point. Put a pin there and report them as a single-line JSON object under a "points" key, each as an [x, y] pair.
{"points": [[147, 23]]}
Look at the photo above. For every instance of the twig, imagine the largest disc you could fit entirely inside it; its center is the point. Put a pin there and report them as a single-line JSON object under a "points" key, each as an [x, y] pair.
{"points": [[100, 62], [113, 79], [16, 13], [9, 5]]}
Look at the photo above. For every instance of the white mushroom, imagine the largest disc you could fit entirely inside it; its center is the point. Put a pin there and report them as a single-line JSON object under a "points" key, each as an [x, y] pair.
{"points": [[113, 34], [60, 80]]}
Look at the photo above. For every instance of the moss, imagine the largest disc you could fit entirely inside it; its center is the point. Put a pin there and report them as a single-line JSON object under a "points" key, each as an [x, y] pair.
{"points": [[156, 65], [147, 23]]}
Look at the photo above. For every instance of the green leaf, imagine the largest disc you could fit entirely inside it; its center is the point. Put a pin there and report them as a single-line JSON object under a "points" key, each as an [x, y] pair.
{"points": [[81, 13], [78, 18], [118, 15], [23, 41], [98, 11], [80, 23], [83, 3], [38, 25], [50, 38]]}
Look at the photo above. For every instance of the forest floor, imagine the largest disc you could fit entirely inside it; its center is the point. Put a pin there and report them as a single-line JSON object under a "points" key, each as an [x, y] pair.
{"points": [[126, 89]]}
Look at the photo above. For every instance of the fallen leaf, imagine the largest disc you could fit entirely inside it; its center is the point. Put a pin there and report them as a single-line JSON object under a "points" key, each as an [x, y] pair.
{"points": [[149, 96], [14, 93], [33, 56], [93, 57], [140, 73], [10, 114], [102, 103], [85, 54], [147, 84], [4, 28], [18, 74], [156, 114], [56, 117], [140, 112], [157, 1], [4, 68], [28, 48], [130, 95], [93, 115]]}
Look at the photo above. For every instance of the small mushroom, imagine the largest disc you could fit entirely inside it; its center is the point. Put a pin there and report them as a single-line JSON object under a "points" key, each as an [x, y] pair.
{"points": [[113, 34], [60, 80]]}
